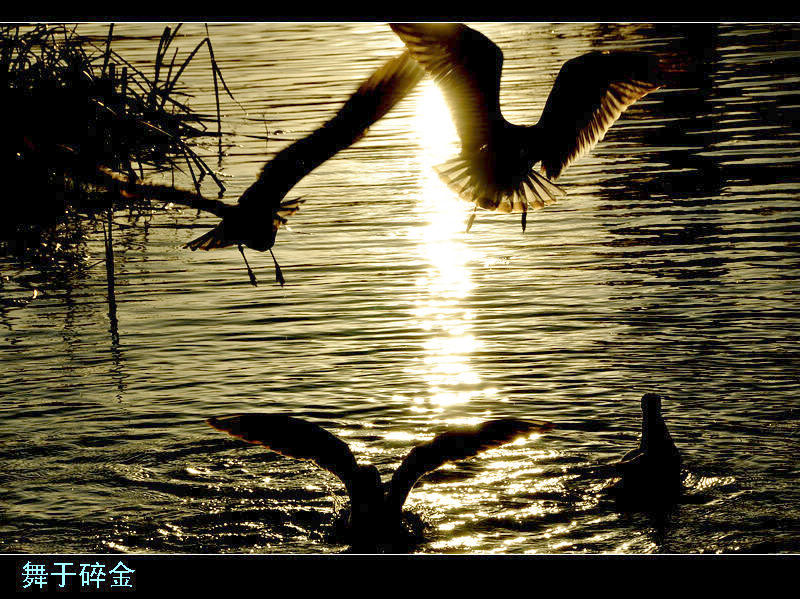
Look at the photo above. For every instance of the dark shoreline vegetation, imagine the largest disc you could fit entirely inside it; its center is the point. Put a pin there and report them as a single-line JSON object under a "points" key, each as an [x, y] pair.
{"points": [[86, 128]]}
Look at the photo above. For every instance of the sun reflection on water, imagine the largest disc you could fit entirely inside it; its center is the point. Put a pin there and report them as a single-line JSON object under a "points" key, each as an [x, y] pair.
{"points": [[442, 310], [442, 289]]}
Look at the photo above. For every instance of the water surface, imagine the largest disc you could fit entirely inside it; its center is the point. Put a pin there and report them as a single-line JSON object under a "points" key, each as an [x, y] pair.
{"points": [[671, 266]]}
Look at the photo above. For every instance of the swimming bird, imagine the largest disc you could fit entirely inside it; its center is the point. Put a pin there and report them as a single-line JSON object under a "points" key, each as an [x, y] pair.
{"points": [[261, 210], [651, 473], [494, 169], [375, 507]]}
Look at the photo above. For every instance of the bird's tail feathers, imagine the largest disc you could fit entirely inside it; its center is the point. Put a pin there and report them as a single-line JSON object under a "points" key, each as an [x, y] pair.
{"points": [[541, 191], [287, 209], [534, 193], [211, 240]]}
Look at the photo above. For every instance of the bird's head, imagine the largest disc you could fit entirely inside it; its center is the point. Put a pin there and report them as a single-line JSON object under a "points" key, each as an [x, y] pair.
{"points": [[651, 404]]}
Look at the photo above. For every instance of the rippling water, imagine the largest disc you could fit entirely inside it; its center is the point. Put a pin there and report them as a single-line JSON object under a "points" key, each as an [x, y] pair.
{"points": [[671, 266]]}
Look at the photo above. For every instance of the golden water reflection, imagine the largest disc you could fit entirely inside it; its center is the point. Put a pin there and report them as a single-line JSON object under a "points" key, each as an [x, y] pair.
{"points": [[440, 307], [442, 310]]}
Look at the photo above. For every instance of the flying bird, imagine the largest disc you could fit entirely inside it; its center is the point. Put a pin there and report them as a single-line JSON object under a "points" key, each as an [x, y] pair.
{"points": [[494, 169], [261, 210], [651, 473], [375, 507]]}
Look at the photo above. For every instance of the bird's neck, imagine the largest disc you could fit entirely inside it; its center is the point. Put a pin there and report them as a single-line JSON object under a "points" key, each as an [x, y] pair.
{"points": [[654, 431]]}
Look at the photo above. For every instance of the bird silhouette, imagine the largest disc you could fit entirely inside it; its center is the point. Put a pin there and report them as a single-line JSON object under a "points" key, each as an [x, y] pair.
{"points": [[651, 473], [375, 508], [261, 210], [494, 169]]}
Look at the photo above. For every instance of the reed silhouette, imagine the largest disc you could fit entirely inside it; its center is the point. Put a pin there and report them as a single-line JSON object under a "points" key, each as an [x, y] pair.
{"points": [[80, 111], [375, 516], [494, 169], [261, 210]]}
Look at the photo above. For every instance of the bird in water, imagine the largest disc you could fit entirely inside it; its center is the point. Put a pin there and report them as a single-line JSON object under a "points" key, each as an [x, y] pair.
{"points": [[261, 210], [495, 168], [651, 473], [375, 516]]}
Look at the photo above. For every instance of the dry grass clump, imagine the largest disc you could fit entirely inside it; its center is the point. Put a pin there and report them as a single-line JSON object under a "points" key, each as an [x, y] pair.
{"points": [[80, 119]]}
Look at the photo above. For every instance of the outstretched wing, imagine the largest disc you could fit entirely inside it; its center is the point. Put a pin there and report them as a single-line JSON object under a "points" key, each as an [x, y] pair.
{"points": [[264, 198], [588, 96], [467, 66], [293, 438], [372, 100], [456, 445]]}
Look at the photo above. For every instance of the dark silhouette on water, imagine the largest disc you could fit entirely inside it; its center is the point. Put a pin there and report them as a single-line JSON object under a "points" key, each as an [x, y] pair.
{"points": [[375, 507], [261, 209], [495, 167], [651, 473]]}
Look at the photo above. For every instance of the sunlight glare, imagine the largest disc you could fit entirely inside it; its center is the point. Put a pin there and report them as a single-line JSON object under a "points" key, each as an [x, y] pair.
{"points": [[446, 282], [435, 125]]}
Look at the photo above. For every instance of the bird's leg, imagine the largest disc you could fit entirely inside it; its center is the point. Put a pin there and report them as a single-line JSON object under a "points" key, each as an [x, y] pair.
{"points": [[524, 216], [471, 218], [250, 272], [278, 274]]}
